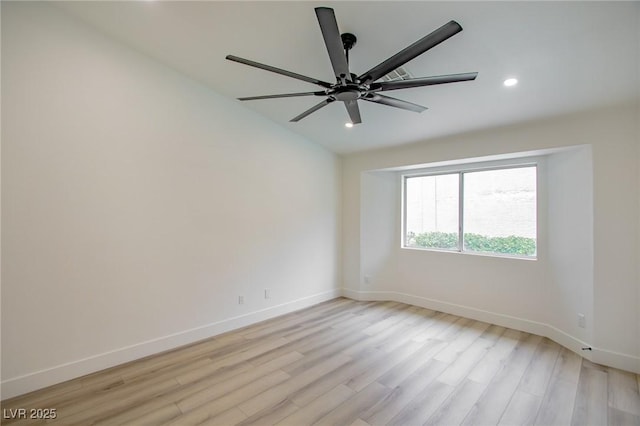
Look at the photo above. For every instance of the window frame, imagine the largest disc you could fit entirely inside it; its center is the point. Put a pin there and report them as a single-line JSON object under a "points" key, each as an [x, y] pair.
{"points": [[461, 170]]}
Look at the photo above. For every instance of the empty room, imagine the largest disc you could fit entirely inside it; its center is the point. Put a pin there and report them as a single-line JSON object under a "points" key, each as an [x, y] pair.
{"points": [[334, 213]]}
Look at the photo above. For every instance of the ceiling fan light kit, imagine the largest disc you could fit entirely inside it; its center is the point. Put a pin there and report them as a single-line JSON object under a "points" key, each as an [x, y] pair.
{"points": [[349, 87]]}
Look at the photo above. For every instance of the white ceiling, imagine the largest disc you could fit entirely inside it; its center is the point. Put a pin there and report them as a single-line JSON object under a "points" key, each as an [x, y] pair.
{"points": [[568, 56]]}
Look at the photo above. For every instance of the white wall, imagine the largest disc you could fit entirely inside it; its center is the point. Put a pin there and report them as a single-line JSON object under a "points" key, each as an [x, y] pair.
{"points": [[379, 230], [637, 120], [569, 233], [138, 205], [592, 189]]}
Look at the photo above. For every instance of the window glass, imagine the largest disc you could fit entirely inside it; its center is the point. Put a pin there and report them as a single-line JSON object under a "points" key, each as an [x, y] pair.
{"points": [[432, 211], [500, 211]]}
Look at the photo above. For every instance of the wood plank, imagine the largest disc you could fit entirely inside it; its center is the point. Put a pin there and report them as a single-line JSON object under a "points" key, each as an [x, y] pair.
{"points": [[437, 324], [466, 361], [321, 324], [247, 353], [201, 408], [409, 366], [319, 407], [377, 369], [410, 332], [214, 387], [319, 342], [495, 358], [424, 405], [157, 410], [559, 399], [230, 417], [469, 334], [92, 409], [348, 411], [623, 391], [557, 405], [414, 314], [538, 373], [161, 414], [382, 412], [276, 394], [490, 407], [591, 406], [525, 408], [271, 414], [450, 333], [299, 345], [568, 366], [197, 354], [384, 324], [522, 409], [344, 373], [381, 310], [494, 332], [428, 319], [378, 339], [323, 349], [229, 363], [208, 394], [457, 406]]}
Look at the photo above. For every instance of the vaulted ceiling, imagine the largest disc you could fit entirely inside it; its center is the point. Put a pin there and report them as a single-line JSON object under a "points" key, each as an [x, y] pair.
{"points": [[567, 56]]}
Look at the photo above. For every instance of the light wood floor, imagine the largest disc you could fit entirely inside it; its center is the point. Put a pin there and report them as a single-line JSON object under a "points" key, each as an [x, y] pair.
{"points": [[353, 363]]}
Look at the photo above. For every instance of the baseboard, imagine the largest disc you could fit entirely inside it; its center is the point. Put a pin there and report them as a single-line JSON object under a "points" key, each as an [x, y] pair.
{"points": [[617, 360], [598, 355], [60, 373]]}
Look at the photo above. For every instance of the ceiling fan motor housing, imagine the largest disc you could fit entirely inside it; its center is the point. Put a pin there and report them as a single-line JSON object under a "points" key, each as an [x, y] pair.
{"points": [[347, 94], [348, 40]]}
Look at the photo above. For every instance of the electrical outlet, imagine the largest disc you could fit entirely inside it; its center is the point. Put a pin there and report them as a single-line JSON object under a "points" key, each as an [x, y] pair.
{"points": [[367, 279], [581, 321], [240, 300], [267, 293]]}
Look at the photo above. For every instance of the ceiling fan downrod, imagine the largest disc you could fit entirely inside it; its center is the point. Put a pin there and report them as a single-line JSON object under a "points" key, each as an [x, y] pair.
{"points": [[348, 41]]}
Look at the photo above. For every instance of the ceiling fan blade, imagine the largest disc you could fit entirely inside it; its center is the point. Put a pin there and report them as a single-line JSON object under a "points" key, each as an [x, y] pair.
{"points": [[398, 103], [354, 111], [425, 81], [284, 95], [278, 71], [311, 110], [333, 42], [419, 47]]}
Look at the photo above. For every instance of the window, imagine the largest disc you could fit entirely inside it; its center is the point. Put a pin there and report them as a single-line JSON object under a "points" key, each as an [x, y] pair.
{"points": [[491, 211]]}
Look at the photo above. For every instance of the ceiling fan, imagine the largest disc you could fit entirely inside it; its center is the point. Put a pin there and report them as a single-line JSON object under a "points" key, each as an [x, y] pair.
{"points": [[350, 87]]}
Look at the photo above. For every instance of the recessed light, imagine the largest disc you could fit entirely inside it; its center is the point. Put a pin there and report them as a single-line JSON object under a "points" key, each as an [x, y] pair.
{"points": [[348, 125], [511, 82]]}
